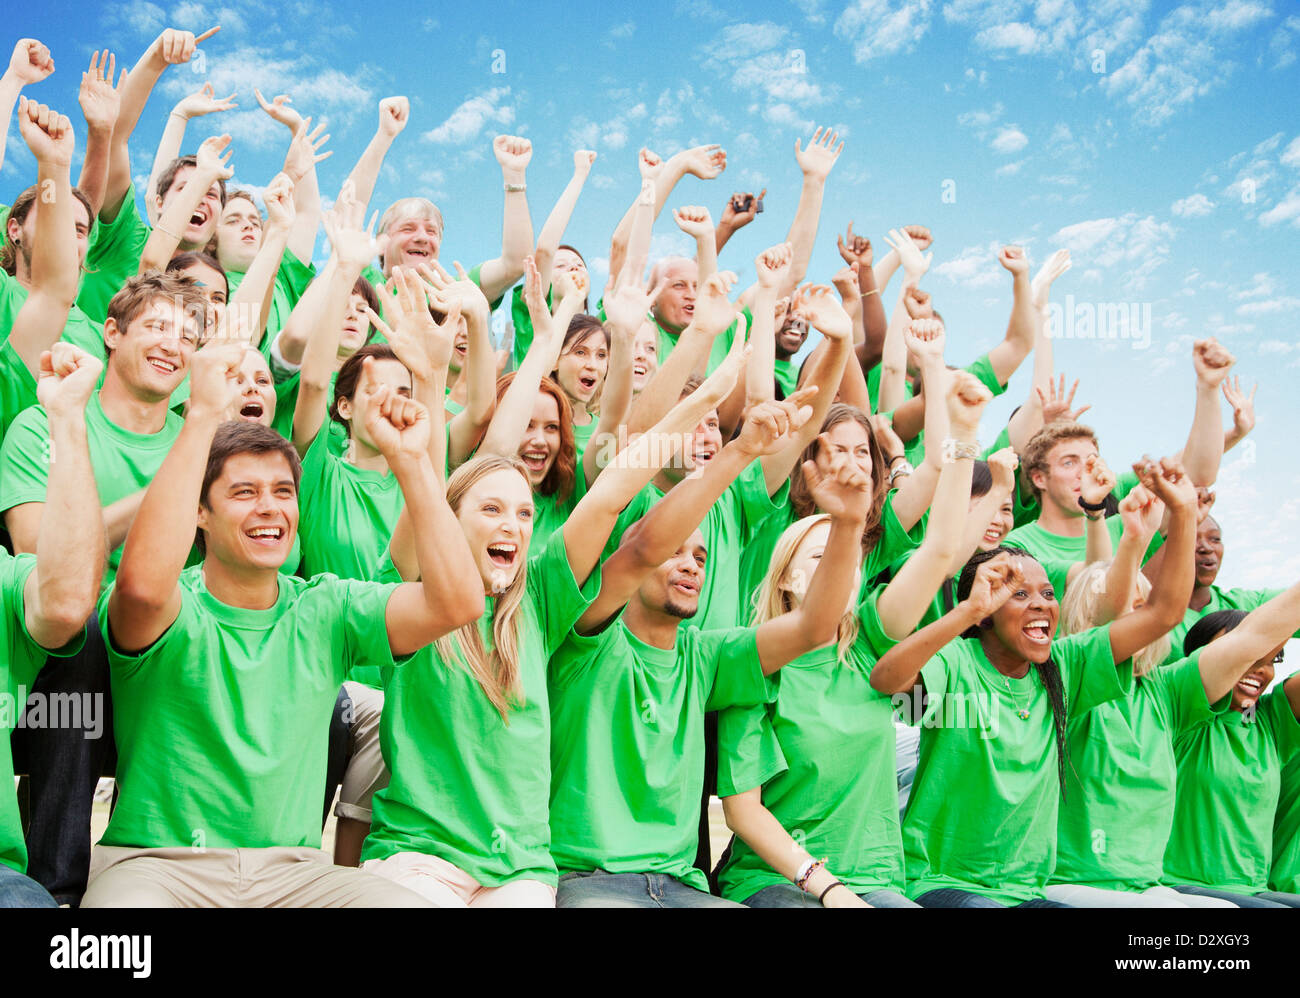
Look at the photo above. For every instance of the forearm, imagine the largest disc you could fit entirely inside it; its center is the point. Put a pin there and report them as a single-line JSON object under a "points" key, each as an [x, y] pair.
{"points": [[760, 370], [252, 299], [165, 238], [706, 256], [135, 94], [899, 669], [803, 230], [118, 517], [832, 583], [874, 320], [1120, 577], [1203, 451], [366, 171], [977, 522], [93, 181], [306, 218], [516, 406], [306, 314], [758, 828], [10, 88], [885, 269], [615, 403], [516, 239], [1096, 545], [548, 240], [825, 371], [70, 545], [318, 358], [665, 387], [914, 497], [169, 148], [54, 255], [893, 361], [1019, 341]]}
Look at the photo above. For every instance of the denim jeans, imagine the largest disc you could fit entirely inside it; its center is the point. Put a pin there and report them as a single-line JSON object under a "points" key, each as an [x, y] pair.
{"points": [[789, 896], [17, 891], [951, 897], [64, 764], [1265, 899], [598, 889]]}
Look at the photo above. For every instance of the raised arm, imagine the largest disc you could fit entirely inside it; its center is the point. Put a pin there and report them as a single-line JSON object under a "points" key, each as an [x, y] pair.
{"points": [[893, 364], [251, 302], [202, 101], [41, 319], [845, 493], [100, 102], [632, 237], [888, 265], [1141, 513], [1243, 411], [1032, 416], [171, 48], [548, 240], [741, 208], [1172, 588], [773, 269], [146, 596], [696, 222], [393, 115], [1203, 451], [705, 162], [300, 167], [212, 164], [1002, 466], [1021, 327], [1226, 659], [906, 598], [61, 593], [29, 63], [925, 339], [499, 275], [815, 162]]}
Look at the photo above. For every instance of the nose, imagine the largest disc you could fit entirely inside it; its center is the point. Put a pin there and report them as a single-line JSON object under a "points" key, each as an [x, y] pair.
{"points": [[265, 502]]}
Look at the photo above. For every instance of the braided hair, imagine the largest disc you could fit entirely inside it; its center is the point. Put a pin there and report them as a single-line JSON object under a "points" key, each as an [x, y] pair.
{"points": [[1049, 673]]}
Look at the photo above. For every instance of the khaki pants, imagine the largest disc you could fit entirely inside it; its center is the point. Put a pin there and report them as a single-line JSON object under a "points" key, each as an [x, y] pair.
{"points": [[366, 771], [446, 886], [235, 878]]}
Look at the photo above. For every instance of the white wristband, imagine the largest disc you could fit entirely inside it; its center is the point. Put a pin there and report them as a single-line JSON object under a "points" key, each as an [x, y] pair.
{"points": [[803, 869]]}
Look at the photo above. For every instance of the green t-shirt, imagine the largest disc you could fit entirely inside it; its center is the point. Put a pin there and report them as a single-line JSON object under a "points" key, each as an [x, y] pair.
{"points": [[824, 755], [465, 785], [17, 387], [787, 376], [627, 746], [1285, 875], [551, 512], [23, 659], [1057, 553], [981, 367], [1220, 599], [222, 723], [523, 324], [1229, 781], [582, 436], [291, 280], [982, 814], [123, 462], [728, 528], [80, 329], [721, 343], [1118, 808], [112, 259]]}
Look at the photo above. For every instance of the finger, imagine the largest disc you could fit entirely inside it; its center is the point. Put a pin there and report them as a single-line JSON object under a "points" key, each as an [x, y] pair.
{"points": [[207, 34]]}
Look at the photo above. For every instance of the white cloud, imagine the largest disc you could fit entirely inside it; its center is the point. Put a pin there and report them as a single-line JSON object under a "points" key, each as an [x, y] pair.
{"points": [[469, 119], [1286, 210], [1013, 36], [1291, 156], [1009, 169], [612, 134], [973, 267], [625, 30], [878, 28], [1139, 246], [1260, 286], [978, 119], [1267, 307], [140, 16], [1009, 139], [783, 114], [1193, 206]]}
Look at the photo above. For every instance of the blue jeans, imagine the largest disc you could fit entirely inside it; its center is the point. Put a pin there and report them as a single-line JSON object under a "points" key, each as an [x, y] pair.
{"points": [[951, 897], [598, 889], [789, 896], [1264, 899], [17, 891]]}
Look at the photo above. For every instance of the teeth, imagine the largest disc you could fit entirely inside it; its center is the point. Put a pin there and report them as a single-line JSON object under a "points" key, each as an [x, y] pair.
{"points": [[264, 532], [167, 365]]}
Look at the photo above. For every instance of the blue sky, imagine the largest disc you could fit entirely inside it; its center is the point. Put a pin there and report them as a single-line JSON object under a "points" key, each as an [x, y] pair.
{"points": [[1159, 142]]}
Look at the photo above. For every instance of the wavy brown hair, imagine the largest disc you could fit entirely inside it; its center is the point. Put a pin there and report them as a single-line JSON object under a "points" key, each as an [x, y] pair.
{"points": [[560, 479], [801, 500]]}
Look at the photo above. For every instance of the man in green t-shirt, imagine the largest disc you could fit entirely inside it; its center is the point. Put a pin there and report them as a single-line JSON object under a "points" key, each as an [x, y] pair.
{"points": [[228, 671], [44, 600], [630, 686], [150, 332]]}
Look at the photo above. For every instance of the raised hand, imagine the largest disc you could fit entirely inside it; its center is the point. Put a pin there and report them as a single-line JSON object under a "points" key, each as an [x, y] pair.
{"points": [[175, 47], [773, 265], [202, 102], [626, 308], [1002, 465], [582, 161], [917, 303], [819, 305], [1140, 512], [1056, 265], [854, 249], [769, 426], [909, 254], [420, 342], [214, 375], [210, 159], [1204, 503], [844, 492], [279, 110], [393, 115], [512, 152], [305, 150], [846, 282], [816, 161], [66, 378], [1013, 259], [1098, 480], [543, 327], [459, 289], [995, 581], [1212, 362], [733, 219], [650, 165], [100, 101], [705, 162], [1243, 406], [714, 311], [278, 197], [1168, 480], [1056, 404], [920, 235], [925, 340], [47, 133], [966, 399], [694, 220], [398, 426], [891, 444], [353, 246], [30, 61]]}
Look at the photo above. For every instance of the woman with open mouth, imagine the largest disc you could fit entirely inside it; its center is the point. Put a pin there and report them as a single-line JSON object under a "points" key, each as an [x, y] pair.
{"points": [[1123, 773], [1229, 769], [465, 817], [981, 822], [819, 758]]}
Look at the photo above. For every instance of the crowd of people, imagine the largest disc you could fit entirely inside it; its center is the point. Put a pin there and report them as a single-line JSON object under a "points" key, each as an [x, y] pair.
{"points": [[516, 610]]}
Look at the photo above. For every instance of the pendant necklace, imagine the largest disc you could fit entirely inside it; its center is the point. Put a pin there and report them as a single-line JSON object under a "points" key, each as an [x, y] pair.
{"points": [[1021, 712]]}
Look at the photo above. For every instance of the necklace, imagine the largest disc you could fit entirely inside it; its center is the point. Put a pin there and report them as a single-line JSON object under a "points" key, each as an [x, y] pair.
{"points": [[1021, 712]]}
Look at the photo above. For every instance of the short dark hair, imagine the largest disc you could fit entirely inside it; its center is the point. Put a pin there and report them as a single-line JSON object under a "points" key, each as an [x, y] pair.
{"points": [[19, 211], [168, 177], [345, 385], [1203, 631], [241, 437]]}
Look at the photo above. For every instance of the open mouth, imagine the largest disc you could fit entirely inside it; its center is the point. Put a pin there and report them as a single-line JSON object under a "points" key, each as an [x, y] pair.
{"points": [[535, 460], [199, 218], [1208, 564], [503, 555], [252, 409], [687, 587], [640, 370], [588, 384], [162, 366], [419, 254], [703, 456], [992, 536], [265, 536], [1038, 631], [1250, 686]]}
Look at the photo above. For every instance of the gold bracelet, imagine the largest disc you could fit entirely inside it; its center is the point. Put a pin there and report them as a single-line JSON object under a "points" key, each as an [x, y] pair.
{"points": [[165, 231], [873, 291]]}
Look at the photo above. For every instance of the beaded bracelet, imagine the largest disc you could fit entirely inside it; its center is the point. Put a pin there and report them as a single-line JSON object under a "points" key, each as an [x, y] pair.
{"points": [[802, 882]]}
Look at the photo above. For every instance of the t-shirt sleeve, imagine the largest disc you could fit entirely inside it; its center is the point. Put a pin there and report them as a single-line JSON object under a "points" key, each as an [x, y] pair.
{"points": [[556, 596], [476, 275], [579, 653], [24, 655], [128, 663], [871, 630], [1275, 709], [894, 542], [749, 753], [749, 493], [1184, 693], [17, 387], [315, 468], [982, 368], [25, 460], [728, 659], [112, 258], [1089, 671], [363, 626], [294, 276]]}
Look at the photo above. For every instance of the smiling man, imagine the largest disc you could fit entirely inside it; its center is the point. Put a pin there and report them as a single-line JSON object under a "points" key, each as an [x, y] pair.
{"points": [[152, 327]]}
